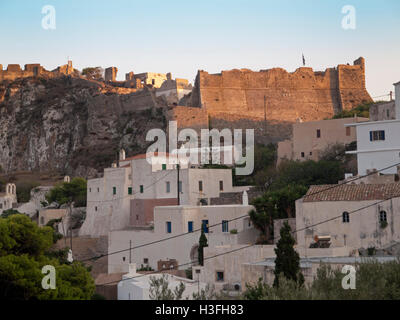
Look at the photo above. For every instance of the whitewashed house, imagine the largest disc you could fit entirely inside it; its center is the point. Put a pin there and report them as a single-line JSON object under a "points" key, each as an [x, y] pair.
{"points": [[8, 198], [378, 143], [136, 286], [128, 192]]}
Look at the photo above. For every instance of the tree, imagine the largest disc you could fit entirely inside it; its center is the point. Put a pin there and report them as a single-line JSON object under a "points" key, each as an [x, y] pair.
{"points": [[275, 204], [159, 289], [9, 212], [93, 73], [202, 244], [69, 192], [24, 250], [287, 260]]}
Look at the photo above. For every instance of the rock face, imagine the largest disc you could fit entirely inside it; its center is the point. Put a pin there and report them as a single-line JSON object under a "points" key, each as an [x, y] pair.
{"points": [[72, 125]]}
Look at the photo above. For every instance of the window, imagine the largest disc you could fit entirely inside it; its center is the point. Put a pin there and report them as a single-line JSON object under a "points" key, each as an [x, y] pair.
{"points": [[383, 216], [310, 153], [348, 131], [98, 189], [303, 155], [346, 217], [123, 258], [318, 133], [200, 186], [388, 113], [42, 220], [1, 206], [95, 208], [90, 189], [225, 227], [137, 217], [114, 190], [130, 190], [153, 81], [220, 276], [164, 166], [168, 226], [146, 260], [204, 225], [180, 186], [168, 186], [378, 135], [221, 186], [141, 189], [190, 226]]}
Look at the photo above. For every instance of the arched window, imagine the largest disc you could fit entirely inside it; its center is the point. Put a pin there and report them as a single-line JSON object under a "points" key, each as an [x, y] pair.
{"points": [[382, 216], [346, 217]]}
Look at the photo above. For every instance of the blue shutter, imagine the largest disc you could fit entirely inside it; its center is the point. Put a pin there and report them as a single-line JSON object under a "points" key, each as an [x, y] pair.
{"points": [[370, 136], [190, 226]]}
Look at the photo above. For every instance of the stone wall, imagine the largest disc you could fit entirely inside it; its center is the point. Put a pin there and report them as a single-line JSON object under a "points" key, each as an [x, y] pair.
{"points": [[276, 94]]}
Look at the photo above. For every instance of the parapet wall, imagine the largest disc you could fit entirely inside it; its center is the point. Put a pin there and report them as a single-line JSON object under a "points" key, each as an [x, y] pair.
{"points": [[14, 71], [276, 94]]}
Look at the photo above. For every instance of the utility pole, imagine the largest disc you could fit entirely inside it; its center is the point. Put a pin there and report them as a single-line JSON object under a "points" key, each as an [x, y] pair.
{"points": [[179, 197], [70, 224], [130, 251], [265, 114]]}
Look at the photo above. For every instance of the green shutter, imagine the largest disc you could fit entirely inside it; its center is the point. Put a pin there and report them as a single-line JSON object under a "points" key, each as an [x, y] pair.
{"points": [[129, 190], [141, 189], [164, 166], [114, 190]]}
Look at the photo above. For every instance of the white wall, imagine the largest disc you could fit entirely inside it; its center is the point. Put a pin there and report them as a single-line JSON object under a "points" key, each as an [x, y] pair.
{"points": [[179, 248], [378, 154]]}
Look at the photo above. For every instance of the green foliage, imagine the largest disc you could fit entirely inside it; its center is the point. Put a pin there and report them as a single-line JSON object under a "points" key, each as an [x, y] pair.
{"points": [[374, 281], [202, 244], [95, 73], [189, 273], [67, 192], [360, 111], [159, 289], [287, 260], [371, 251], [129, 130], [145, 268], [24, 250], [98, 296], [9, 212], [24, 190], [383, 224], [233, 231], [275, 204], [208, 293]]}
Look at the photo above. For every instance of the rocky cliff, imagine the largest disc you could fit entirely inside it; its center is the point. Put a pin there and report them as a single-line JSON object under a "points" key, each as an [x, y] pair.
{"points": [[72, 125]]}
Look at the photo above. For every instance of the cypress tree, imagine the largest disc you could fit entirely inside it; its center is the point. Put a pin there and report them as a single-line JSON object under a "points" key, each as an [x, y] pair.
{"points": [[287, 260], [202, 244]]}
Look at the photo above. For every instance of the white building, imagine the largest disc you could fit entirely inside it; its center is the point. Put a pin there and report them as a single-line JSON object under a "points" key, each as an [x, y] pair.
{"points": [[351, 215], [169, 221], [127, 194], [378, 143], [8, 198], [136, 286]]}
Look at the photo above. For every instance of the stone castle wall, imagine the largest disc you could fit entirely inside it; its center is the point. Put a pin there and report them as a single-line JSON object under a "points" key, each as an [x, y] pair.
{"points": [[276, 94], [14, 71]]}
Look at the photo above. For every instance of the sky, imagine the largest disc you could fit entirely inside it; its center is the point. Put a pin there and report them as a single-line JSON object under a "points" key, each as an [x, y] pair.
{"points": [[183, 37]]}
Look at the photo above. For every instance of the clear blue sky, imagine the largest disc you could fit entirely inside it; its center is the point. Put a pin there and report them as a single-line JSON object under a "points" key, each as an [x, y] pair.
{"points": [[213, 35]]}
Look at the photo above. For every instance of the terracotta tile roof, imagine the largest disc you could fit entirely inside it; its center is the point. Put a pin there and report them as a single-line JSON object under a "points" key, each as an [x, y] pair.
{"points": [[352, 192]]}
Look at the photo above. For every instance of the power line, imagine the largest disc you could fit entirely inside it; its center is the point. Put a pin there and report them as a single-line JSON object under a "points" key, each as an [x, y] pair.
{"points": [[251, 245], [237, 218]]}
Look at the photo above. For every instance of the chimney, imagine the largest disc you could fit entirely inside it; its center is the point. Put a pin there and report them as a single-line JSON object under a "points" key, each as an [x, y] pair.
{"points": [[122, 155], [397, 99]]}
